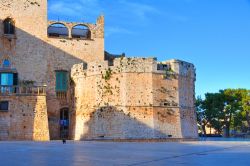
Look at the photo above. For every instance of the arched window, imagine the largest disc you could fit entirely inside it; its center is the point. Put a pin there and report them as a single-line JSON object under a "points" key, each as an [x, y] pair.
{"points": [[58, 30], [81, 31], [9, 27], [6, 63]]}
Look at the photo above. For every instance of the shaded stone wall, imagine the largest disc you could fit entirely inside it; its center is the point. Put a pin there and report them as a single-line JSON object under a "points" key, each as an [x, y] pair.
{"points": [[130, 100], [26, 119], [36, 57]]}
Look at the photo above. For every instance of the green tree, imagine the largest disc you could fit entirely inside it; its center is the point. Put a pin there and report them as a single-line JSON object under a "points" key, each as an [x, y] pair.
{"points": [[231, 109], [245, 105], [213, 106], [225, 110], [201, 115]]}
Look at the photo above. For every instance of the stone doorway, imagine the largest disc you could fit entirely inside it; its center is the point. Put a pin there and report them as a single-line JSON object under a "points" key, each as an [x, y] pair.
{"points": [[64, 123]]}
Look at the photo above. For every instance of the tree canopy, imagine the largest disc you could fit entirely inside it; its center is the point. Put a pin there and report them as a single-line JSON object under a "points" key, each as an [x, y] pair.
{"points": [[228, 109]]}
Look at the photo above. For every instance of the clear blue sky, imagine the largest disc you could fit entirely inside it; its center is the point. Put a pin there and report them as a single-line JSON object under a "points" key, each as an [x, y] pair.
{"points": [[212, 34]]}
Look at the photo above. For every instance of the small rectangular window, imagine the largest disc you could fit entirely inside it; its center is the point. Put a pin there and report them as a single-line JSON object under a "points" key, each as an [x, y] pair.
{"points": [[4, 105]]}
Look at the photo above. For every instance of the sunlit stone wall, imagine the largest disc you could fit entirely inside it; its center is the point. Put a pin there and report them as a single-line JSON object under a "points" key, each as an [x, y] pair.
{"points": [[26, 119], [133, 99]]}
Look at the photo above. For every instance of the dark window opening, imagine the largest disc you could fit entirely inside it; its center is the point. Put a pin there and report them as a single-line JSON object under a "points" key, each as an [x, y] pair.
{"points": [[58, 30], [162, 67], [15, 79], [9, 27], [81, 32], [4, 105]]}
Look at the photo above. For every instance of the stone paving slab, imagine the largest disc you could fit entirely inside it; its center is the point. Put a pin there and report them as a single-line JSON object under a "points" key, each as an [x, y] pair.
{"points": [[125, 154]]}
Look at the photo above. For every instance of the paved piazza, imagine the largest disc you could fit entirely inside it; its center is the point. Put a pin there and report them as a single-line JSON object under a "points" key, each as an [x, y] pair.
{"points": [[200, 153]]}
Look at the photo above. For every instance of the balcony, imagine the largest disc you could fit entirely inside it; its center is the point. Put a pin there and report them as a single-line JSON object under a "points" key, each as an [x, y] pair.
{"points": [[61, 95], [22, 90]]}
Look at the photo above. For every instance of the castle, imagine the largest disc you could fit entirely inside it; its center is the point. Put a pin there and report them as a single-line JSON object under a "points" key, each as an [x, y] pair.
{"points": [[57, 81]]}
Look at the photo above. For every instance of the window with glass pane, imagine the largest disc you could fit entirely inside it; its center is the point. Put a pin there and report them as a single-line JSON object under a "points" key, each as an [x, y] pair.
{"points": [[7, 82], [61, 81], [7, 79]]}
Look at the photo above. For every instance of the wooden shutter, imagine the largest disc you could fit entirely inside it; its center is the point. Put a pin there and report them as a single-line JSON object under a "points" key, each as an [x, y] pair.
{"points": [[64, 81], [61, 81]]}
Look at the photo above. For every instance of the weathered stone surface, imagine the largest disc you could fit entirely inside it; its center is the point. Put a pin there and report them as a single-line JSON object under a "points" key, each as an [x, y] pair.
{"points": [[26, 119], [135, 98], [36, 57]]}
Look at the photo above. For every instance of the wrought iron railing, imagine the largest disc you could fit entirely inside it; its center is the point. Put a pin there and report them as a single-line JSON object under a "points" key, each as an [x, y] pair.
{"points": [[22, 90], [62, 95]]}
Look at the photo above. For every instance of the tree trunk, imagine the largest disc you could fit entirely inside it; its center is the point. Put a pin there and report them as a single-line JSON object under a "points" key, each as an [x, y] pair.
{"points": [[229, 124], [227, 130], [204, 129]]}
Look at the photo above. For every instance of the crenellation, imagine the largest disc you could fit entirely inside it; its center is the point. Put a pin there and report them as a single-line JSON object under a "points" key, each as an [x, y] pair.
{"points": [[182, 68], [131, 83]]}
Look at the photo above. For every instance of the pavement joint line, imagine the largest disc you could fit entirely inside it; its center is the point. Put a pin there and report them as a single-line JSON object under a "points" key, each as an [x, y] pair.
{"points": [[188, 154]]}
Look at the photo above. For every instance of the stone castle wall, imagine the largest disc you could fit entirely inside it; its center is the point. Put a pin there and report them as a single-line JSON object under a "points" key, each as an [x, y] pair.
{"points": [[186, 90], [131, 100], [26, 119]]}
